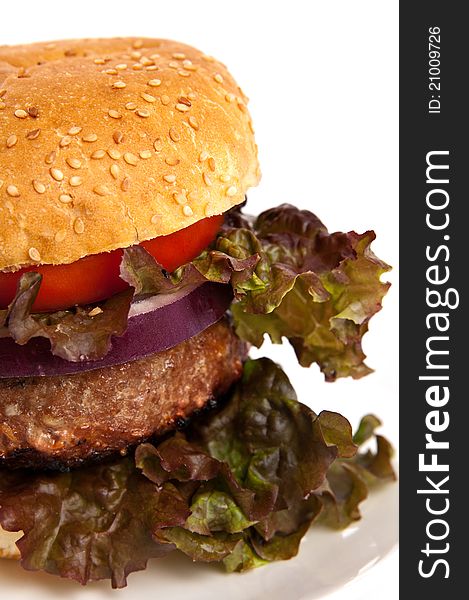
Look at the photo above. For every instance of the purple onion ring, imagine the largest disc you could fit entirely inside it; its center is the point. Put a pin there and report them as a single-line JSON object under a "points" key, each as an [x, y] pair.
{"points": [[146, 334]]}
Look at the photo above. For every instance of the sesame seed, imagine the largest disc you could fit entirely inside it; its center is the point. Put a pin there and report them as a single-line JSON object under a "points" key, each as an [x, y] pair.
{"points": [[11, 141], [154, 82], [114, 153], [65, 198], [148, 97], [183, 73], [60, 236], [101, 190], [74, 163], [211, 163], [224, 178], [155, 218], [179, 55], [65, 141], [119, 85], [90, 137], [2, 92], [78, 226], [130, 106], [145, 154], [50, 157], [33, 112], [99, 61], [218, 78], [34, 254], [125, 185], [192, 196], [232, 190], [152, 68], [172, 161], [98, 154], [110, 72], [180, 198], [21, 114], [193, 122], [171, 178], [114, 114], [187, 210], [203, 156], [230, 97], [165, 100], [138, 44], [2, 105], [114, 169], [242, 106], [130, 158], [38, 186], [33, 134], [182, 107], [174, 134], [173, 65], [137, 67], [146, 62], [75, 181], [56, 174], [206, 178], [187, 63], [74, 130], [143, 112], [118, 137], [13, 191], [121, 67], [158, 144], [95, 311]]}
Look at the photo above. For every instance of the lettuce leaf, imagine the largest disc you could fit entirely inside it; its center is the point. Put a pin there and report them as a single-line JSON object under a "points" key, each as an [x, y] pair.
{"points": [[291, 279], [74, 334], [349, 480], [240, 486], [318, 290], [90, 524]]}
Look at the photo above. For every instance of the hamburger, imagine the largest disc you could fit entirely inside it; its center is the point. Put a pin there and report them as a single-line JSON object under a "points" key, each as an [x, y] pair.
{"points": [[132, 284]]}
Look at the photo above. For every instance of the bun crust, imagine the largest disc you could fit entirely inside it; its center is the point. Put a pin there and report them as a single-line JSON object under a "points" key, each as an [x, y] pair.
{"points": [[107, 143], [8, 548]]}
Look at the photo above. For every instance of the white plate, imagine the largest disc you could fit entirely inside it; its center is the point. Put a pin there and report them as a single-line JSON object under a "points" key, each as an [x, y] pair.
{"points": [[327, 561]]}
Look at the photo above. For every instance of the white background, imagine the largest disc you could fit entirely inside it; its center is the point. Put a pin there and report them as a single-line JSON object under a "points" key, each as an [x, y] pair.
{"points": [[322, 80]]}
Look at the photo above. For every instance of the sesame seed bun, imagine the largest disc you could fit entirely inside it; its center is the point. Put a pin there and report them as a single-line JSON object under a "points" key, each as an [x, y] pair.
{"points": [[8, 548], [107, 143]]}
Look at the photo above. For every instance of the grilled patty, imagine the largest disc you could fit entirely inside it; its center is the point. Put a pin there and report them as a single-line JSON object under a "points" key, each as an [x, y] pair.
{"points": [[64, 421]]}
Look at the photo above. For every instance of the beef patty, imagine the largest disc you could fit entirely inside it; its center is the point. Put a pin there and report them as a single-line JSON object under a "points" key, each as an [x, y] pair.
{"points": [[64, 421]]}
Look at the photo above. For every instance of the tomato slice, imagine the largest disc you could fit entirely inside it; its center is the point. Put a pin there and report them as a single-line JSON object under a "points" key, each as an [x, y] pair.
{"points": [[96, 277]]}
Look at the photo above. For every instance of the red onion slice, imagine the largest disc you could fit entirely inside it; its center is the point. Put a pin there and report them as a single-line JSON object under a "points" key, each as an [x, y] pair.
{"points": [[149, 330]]}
